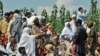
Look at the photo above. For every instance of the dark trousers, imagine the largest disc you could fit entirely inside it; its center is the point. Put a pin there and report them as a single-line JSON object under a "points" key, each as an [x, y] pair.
{"points": [[80, 54], [3, 53]]}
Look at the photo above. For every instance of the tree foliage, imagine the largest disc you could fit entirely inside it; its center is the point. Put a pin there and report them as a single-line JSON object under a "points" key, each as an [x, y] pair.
{"points": [[44, 13], [62, 14], [31, 10], [93, 14], [1, 9], [67, 15]]}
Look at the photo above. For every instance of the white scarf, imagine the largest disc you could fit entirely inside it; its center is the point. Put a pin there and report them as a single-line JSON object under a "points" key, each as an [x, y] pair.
{"points": [[66, 31], [27, 41]]}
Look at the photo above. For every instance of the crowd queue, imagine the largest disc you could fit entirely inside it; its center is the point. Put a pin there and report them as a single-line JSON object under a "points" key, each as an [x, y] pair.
{"points": [[31, 35]]}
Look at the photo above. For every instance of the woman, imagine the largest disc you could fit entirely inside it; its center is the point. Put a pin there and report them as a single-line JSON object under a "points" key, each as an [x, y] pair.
{"points": [[67, 31], [27, 41]]}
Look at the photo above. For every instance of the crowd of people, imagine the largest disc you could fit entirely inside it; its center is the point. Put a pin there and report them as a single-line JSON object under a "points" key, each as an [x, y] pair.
{"points": [[31, 35]]}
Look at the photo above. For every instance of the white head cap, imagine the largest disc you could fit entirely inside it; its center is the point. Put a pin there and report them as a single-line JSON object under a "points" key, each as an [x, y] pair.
{"points": [[73, 16]]}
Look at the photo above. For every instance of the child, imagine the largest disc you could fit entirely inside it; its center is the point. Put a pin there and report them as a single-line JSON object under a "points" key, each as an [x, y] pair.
{"points": [[97, 51], [22, 51], [12, 50], [49, 50], [62, 49]]}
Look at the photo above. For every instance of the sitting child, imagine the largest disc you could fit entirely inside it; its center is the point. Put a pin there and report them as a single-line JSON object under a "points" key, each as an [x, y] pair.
{"points": [[22, 51], [12, 50], [62, 49], [97, 51]]}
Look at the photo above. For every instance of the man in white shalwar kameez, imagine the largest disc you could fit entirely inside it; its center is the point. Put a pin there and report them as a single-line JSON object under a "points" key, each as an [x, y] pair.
{"points": [[27, 41]]}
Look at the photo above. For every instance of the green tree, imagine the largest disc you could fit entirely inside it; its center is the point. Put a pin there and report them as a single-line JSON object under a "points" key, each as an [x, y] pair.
{"points": [[62, 14], [55, 11], [1, 9], [56, 22], [67, 15], [25, 10], [44, 13], [75, 12], [93, 13], [52, 17], [21, 10], [31, 10]]}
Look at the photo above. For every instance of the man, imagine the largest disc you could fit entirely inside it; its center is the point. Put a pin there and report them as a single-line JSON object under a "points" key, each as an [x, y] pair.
{"points": [[9, 25], [42, 20], [16, 27], [92, 37], [12, 39], [80, 38], [4, 26], [35, 26], [81, 14], [28, 16], [13, 49], [4, 23]]}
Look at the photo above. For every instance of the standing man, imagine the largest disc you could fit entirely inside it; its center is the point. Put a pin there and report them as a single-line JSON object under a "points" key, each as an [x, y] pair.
{"points": [[16, 27], [9, 25], [4, 23], [81, 14], [4, 26], [92, 37], [80, 38]]}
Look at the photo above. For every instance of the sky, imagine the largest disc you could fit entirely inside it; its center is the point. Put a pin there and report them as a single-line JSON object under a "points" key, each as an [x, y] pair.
{"points": [[39, 5]]}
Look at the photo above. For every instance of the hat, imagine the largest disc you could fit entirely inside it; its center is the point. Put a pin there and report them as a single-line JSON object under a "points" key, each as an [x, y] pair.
{"points": [[73, 16]]}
